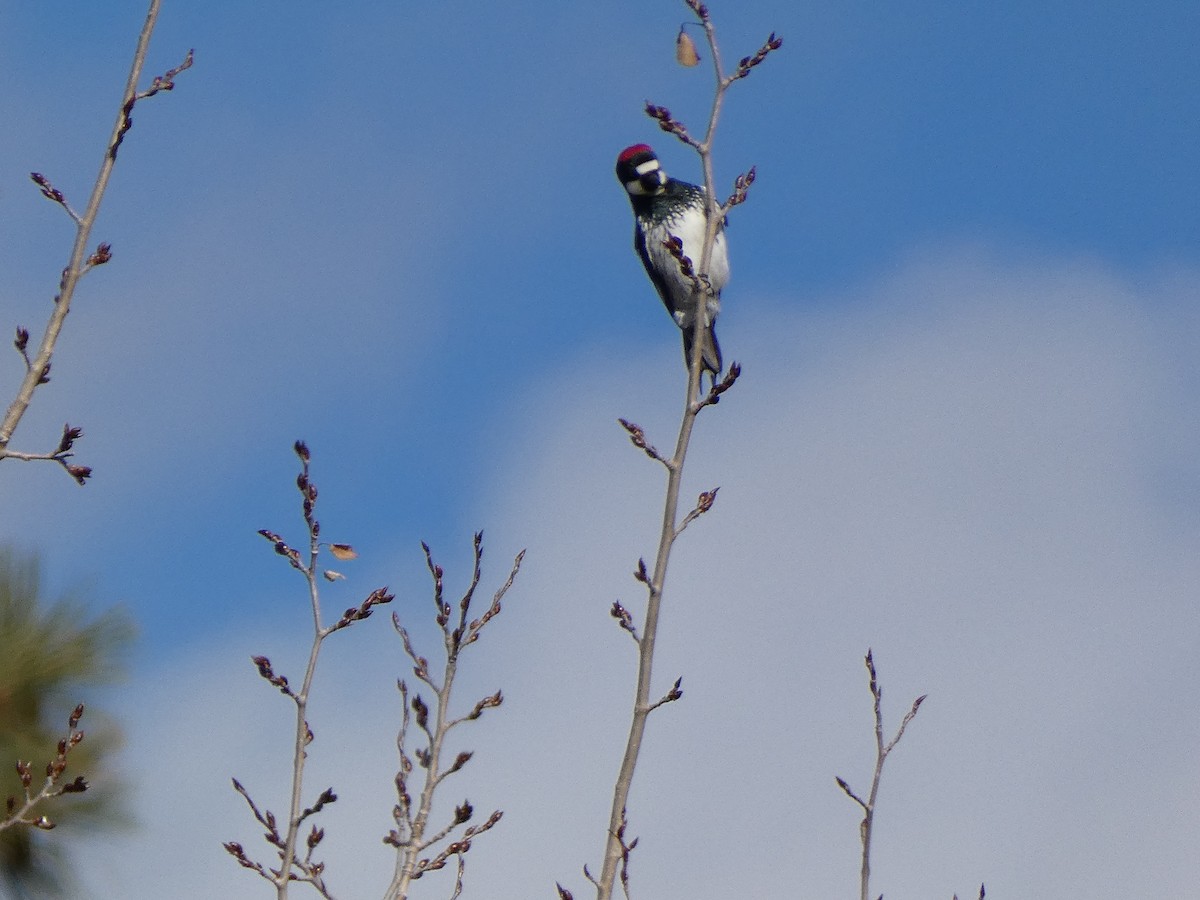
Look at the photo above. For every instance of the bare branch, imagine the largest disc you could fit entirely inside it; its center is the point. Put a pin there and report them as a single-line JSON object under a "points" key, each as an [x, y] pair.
{"points": [[295, 867], [61, 454], [493, 610], [908, 717], [867, 825], [37, 368], [850, 793], [412, 836], [21, 811]]}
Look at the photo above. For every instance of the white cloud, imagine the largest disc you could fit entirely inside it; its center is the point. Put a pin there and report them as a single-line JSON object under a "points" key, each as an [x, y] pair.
{"points": [[968, 466]]}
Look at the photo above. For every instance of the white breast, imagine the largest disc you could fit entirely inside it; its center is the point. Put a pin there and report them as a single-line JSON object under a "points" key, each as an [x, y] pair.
{"points": [[689, 228]]}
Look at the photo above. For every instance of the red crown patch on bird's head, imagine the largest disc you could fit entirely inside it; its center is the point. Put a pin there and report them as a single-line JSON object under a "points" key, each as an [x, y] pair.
{"points": [[635, 150]]}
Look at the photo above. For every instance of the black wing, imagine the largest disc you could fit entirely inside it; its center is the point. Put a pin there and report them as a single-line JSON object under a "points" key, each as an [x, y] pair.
{"points": [[639, 244]]}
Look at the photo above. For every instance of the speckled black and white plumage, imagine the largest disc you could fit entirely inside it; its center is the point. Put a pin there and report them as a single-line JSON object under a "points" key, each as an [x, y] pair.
{"points": [[665, 207]]}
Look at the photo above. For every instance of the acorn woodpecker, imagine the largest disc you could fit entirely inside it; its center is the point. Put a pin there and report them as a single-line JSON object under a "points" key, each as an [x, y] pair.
{"points": [[663, 208]]}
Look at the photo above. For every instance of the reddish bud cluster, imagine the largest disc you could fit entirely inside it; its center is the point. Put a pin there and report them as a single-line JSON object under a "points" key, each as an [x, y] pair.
{"points": [[624, 618], [166, 81], [668, 123], [489, 702], [54, 772], [675, 692], [459, 761], [49, 191], [327, 797], [293, 556], [674, 246], [238, 852], [422, 712], [362, 611], [715, 392], [69, 436], [308, 491], [443, 608], [80, 473], [638, 438], [741, 186], [264, 669], [746, 63], [102, 255]]}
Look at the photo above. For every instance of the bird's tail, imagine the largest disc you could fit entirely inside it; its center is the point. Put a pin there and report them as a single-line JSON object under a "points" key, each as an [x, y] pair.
{"points": [[710, 351]]}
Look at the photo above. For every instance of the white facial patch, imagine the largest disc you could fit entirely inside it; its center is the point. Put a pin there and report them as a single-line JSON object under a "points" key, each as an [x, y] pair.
{"points": [[650, 179]]}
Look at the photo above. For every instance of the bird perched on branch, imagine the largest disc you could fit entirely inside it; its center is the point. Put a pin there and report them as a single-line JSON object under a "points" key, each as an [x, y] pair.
{"points": [[665, 209]]}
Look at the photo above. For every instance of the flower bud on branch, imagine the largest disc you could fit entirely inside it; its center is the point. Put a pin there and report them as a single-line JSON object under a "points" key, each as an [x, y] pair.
{"points": [[749, 62]]}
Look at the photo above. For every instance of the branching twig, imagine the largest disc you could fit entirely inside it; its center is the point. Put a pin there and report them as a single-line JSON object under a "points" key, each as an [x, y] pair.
{"points": [[60, 454], [292, 867], [37, 368], [616, 853], [866, 827], [21, 811], [412, 836]]}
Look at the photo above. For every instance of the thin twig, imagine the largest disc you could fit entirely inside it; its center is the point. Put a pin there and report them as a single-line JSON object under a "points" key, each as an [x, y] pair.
{"points": [[21, 812], [867, 826], [38, 368], [412, 835], [292, 866]]}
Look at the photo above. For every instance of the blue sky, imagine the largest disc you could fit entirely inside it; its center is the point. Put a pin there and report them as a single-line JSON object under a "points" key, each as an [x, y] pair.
{"points": [[964, 297]]}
